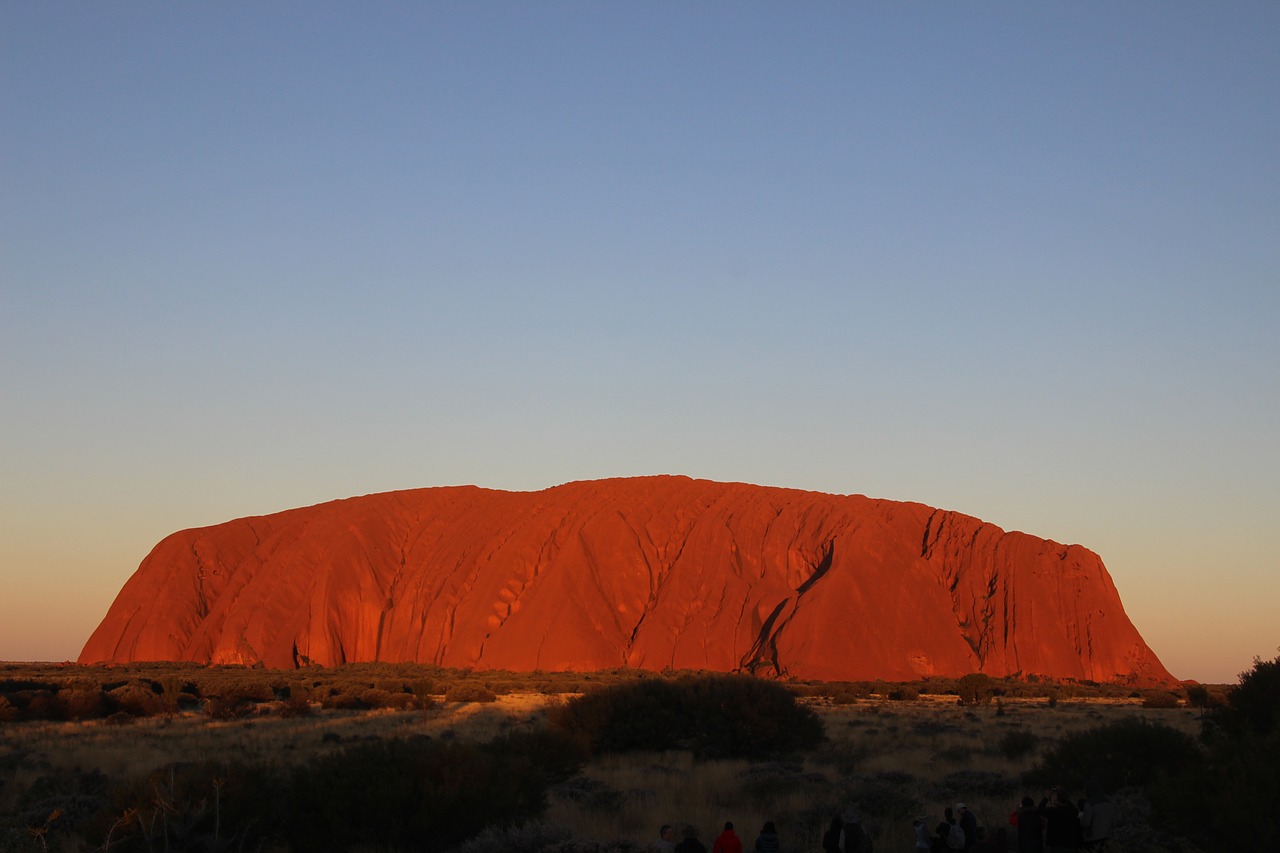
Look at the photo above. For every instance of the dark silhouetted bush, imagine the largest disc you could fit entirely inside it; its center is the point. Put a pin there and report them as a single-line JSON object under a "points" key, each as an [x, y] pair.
{"points": [[714, 716], [422, 794], [1160, 699], [1229, 802], [904, 693], [1127, 752], [1253, 705], [976, 688], [1015, 744]]}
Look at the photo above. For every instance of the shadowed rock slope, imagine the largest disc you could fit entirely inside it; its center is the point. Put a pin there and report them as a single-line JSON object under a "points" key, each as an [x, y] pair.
{"points": [[649, 572]]}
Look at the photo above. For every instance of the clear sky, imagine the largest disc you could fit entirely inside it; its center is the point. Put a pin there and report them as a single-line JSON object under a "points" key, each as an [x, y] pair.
{"points": [[1016, 260]]}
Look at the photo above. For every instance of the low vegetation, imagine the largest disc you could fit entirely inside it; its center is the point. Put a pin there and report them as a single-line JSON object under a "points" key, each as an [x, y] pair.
{"points": [[406, 757]]}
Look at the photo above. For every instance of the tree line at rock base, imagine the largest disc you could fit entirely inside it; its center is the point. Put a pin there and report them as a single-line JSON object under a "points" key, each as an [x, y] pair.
{"points": [[124, 691]]}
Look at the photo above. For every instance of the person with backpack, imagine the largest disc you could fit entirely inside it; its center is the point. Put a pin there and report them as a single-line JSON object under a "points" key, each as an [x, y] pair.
{"points": [[949, 832], [945, 830]]}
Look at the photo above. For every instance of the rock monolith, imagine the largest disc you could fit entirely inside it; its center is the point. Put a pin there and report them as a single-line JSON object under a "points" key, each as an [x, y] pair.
{"points": [[653, 572]]}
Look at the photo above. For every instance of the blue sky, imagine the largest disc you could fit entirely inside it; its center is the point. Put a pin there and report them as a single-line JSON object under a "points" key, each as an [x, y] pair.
{"points": [[1016, 260]]}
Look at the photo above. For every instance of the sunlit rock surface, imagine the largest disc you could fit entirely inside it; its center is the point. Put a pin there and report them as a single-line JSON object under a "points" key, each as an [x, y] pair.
{"points": [[653, 572]]}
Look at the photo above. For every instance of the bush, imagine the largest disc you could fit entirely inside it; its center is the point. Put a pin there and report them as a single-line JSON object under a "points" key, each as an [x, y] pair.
{"points": [[200, 806], [469, 691], [1015, 744], [1253, 705], [81, 703], [904, 693], [420, 793], [1160, 699], [1229, 803], [227, 708], [976, 688], [137, 698], [712, 715], [1128, 752]]}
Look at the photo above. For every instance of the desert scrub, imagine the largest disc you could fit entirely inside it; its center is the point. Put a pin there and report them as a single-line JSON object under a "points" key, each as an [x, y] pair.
{"points": [[421, 793], [1115, 755], [470, 691], [1017, 744], [713, 716]]}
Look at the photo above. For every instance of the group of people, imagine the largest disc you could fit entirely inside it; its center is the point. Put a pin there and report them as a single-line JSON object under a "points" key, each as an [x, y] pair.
{"points": [[726, 842], [1056, 825], [959, 829], [845, 835]]}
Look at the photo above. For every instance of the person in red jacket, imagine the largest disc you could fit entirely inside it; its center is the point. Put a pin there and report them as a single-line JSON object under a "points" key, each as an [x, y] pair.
{"points": [[727, 841]]}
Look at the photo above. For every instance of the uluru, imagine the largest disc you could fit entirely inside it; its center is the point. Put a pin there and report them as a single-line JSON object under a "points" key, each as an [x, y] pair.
{"points": [[652, 573]]}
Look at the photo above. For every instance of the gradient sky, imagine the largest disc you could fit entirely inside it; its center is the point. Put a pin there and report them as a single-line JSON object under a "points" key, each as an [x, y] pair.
{"points": [[1016, 260]]}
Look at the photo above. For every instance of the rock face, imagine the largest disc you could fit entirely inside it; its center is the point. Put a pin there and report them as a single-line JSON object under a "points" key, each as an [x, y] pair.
{"points": [[650, 572]]}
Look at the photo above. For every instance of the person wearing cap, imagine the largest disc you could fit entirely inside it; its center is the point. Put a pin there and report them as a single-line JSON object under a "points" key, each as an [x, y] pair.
{"points": [[968, 825]]}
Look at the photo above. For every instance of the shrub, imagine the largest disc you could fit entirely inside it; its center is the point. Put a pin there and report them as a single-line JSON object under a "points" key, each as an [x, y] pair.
{"points": [[199, 806], [968, 784], [1253, 705], [532, 836], [904, 693], [1160, 699], [1015, 744], [81, 703], [976, 688], [227, 708], [1128, 752], [136, 698], [888, 797], [420, 793], [1229, 803], [712, 715], [469, 691]]}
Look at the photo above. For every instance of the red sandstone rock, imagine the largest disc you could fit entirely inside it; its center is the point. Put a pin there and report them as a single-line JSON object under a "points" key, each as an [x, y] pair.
{"points": [[650, 572]]}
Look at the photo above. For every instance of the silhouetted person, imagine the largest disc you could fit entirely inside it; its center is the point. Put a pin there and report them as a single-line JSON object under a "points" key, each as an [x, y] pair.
{"points": [[767, 840], [944, 838], [727, 841], [924, 841], [1029, 827], [968, 825], [1096, 817], [690, 842], [831, 838], [853, 838], [1061, 823]]}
